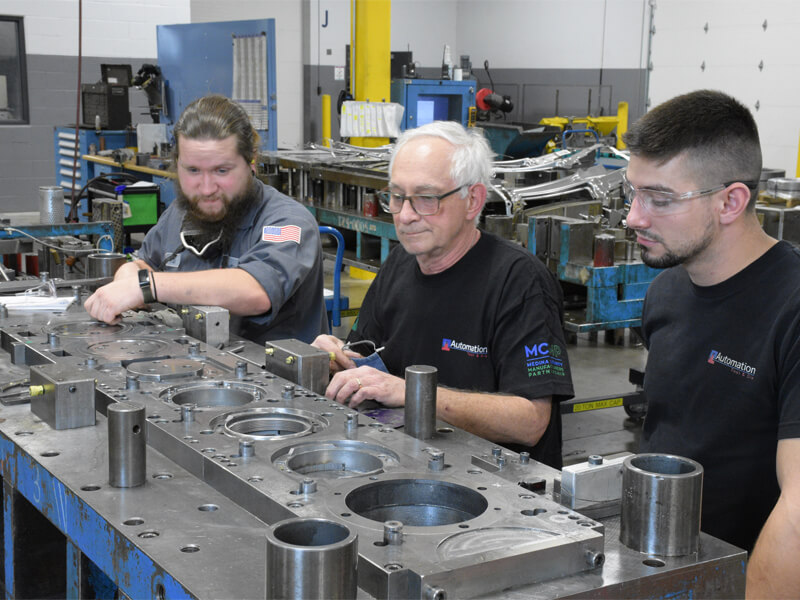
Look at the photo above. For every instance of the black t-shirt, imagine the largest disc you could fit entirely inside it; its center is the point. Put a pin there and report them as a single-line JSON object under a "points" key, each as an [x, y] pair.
{"points": [[722, 383], [490, 323]]}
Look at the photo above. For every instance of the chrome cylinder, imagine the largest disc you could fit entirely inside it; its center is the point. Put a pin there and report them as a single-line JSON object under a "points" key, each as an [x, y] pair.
{"points": [[661, 500], [127, 444], [104, 264], [51, 205], [311, 558], [420, 408]]}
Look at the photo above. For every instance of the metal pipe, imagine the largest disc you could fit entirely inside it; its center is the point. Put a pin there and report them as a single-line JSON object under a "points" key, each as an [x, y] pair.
{"points": [[311, 558], [420, 407], [126, 444], [661, 500]]}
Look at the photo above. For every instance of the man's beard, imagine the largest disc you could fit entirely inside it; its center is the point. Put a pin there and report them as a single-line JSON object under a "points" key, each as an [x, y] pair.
{"points": [[221, 226], [677, 256]]}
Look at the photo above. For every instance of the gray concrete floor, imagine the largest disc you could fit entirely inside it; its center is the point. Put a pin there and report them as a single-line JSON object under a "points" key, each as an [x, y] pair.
{"points": [[598, 369]]}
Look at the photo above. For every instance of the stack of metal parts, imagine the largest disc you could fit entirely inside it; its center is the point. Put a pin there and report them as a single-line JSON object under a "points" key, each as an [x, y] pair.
{"points": [[248, 479], [779, 208]]}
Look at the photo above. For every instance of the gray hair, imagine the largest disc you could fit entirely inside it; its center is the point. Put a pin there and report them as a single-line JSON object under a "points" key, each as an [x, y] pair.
{"points": [[471, 160]]}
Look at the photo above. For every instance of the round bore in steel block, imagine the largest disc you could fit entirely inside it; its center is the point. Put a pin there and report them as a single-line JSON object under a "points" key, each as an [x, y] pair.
{"points": [[270, 423], [86, 329], [212, 394], [417, 502], [113, 350], [166, 369], [335, 459]]}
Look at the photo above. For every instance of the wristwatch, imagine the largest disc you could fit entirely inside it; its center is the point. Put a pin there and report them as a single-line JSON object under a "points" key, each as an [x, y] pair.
{"points": [[144, 285]]}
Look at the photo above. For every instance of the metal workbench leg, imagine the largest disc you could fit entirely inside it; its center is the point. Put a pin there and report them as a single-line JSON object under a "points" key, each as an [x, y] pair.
{"points": [[8, 543], [35, 550], [74, 576]]}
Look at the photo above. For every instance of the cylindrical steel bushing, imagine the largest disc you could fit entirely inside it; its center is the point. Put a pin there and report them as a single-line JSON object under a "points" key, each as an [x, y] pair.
{"points": [[420, 408], [127, 444], [661, 500], [311, 558], [104, 265]]}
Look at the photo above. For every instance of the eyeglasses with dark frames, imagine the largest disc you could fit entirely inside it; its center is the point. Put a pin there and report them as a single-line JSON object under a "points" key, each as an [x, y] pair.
{"points": [[423, 204]]}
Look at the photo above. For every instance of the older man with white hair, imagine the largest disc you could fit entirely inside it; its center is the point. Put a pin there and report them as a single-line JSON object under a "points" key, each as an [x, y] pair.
{"points": [[485, 312]]}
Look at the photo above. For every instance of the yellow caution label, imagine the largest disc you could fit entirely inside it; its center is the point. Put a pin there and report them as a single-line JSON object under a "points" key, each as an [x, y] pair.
{"points": [[584, 406]]}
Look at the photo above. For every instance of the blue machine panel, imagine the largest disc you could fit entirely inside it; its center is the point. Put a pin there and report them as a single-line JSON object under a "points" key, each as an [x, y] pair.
{"points": [[197, 59], [426, 100]]}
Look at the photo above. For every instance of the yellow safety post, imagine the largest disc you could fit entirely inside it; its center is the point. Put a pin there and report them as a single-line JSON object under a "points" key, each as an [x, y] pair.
{"points": [[797, 172], [326, 119], [622, 123], [370, 55]]}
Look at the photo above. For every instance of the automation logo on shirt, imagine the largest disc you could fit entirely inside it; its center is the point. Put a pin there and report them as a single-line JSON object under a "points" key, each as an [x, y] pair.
{"points": [[477, 351], [736, 366]]}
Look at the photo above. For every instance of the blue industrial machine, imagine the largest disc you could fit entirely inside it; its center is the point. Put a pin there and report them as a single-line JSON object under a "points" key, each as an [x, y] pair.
{"points": [[427, 100], [198, 59]]}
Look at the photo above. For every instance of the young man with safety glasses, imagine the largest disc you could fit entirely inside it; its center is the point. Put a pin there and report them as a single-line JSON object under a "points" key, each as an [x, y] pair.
{"points": [[722, 327]]}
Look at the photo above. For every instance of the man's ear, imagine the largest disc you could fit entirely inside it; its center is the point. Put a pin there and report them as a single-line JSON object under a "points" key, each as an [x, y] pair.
{"points": [[476, 199], [737, 197]]}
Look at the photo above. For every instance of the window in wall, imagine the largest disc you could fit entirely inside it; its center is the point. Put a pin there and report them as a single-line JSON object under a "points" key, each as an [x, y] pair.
{"points": [[13, 72]]}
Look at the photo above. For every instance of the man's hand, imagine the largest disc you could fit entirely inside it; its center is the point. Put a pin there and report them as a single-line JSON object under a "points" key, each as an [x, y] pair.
{"points": [[342, 359], [108, 302], [353, 386]]}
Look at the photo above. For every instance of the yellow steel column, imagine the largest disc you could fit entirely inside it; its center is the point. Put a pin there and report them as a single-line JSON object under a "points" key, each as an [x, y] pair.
{"points": [[370, 55], [326, 119], [797, 172], [622, 123]]}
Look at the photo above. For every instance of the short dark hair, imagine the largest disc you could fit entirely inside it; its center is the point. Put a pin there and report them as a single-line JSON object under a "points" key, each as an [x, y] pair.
{"points": [[716, 131], [216, 117]]}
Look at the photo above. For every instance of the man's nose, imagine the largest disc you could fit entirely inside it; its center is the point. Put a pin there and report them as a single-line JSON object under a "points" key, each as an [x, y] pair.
{"points": [[637, 217], [208, 184], [407, 213]]}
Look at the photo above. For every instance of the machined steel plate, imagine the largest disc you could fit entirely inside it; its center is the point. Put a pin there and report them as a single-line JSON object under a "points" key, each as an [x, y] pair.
{"points": [[166, 369]]}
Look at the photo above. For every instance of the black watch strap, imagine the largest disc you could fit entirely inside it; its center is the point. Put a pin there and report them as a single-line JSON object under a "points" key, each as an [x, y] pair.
{"points": [[144, 285]]}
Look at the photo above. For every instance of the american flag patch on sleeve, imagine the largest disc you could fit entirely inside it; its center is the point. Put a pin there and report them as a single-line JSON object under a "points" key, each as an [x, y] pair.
{"points": [[287, 233]]}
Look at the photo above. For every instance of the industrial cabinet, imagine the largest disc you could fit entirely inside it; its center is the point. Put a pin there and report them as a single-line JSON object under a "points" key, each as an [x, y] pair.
{"points": [[427, 100]]}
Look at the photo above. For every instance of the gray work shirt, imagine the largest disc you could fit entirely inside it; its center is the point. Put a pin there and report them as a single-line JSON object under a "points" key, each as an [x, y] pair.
{"points": [[289, 271]]}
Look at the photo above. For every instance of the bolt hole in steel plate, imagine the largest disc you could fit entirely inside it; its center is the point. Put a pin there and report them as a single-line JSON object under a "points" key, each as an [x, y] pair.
{"points": [[335, 459], [86, 329], [417, 502], [131, 348], [166, 369], [269, 423], [209, 394]]}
